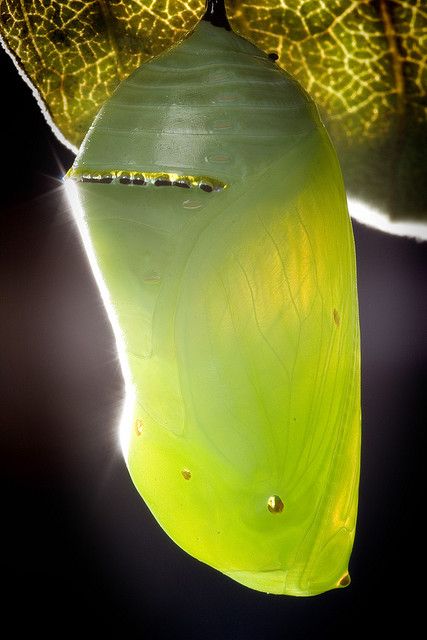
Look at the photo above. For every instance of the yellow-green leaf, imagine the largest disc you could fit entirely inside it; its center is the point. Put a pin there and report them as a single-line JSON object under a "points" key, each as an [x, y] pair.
{"points": [[364, 62], [75, 52]]}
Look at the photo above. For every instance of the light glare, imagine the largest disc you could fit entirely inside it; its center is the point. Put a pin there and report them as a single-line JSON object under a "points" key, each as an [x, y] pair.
{"points": [[125, 423], [372, 217]]}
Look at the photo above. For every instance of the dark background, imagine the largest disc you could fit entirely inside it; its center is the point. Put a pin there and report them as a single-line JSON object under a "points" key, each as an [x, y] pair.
{"points": [[79, 551]]}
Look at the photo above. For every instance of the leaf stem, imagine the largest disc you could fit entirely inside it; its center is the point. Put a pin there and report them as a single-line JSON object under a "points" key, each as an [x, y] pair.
{"points": [[215, 14]]}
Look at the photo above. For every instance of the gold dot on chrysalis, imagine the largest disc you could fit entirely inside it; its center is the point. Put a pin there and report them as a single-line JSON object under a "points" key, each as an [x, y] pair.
{"points": [[345, 580], [336, 317], [186, 474], [138, 427], [275, 504]]}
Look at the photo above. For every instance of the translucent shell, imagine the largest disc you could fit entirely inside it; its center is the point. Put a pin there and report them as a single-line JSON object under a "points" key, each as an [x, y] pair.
{"points": [[234, 307]]}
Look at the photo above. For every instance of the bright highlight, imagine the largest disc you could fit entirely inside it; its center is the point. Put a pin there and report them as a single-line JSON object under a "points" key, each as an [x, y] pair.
{"points": [[372, 217], [125, 423]]}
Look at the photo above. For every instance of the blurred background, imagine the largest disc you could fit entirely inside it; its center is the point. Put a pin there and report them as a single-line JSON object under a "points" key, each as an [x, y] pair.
{"points": [[80, 551]]}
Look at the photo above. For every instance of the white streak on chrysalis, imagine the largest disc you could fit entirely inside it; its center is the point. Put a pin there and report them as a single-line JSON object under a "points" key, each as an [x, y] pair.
{"points": [[124, 430]]}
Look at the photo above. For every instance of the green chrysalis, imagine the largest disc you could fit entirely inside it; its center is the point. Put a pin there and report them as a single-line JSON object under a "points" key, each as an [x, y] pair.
{"points": [[214, 204]]}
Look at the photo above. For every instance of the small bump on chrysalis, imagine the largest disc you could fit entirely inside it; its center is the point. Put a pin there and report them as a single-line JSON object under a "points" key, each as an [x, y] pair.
{"points": [[191, 204], [221, 125], [275, 504], [218, 157], [345, 580], [227, 97], [152, 277], [139, 181], [186, 474], [220, 76], [206, 187], [138, 427]]}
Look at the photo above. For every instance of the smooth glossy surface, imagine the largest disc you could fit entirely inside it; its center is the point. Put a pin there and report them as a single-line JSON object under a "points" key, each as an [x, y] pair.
{"points": [[238, 310]]}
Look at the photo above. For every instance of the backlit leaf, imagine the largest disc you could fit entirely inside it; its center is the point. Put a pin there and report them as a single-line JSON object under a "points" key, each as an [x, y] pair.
{"points": [[364, 62], [76, 52]]}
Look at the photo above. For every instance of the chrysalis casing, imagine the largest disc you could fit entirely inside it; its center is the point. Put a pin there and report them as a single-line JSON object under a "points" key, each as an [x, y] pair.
{"points": [[214, 204]]}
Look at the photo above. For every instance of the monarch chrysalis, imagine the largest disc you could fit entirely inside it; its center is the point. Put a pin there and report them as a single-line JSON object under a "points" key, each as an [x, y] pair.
{"points": [[214, 204]]}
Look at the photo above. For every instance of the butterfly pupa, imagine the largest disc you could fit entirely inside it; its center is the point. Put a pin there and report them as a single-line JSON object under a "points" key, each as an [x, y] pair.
{"points": [[212, 207]]}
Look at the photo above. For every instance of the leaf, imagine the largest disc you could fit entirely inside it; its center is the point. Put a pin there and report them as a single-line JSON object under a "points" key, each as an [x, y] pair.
{"points": [[364, 62], [75, 53]]}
